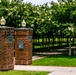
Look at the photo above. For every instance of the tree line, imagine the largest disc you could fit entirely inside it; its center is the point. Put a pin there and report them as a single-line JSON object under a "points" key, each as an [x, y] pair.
{"points": [[53, 18]]}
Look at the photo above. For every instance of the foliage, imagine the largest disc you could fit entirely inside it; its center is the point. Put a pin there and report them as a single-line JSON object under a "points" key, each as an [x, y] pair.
{"points": [[53, 18], [56, 19], [16, 11], [63, 12]]}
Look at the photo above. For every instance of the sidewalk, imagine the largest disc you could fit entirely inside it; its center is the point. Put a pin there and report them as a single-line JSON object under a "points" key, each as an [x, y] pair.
{"points": [[54, 70], [62, 73], [40, 55]]}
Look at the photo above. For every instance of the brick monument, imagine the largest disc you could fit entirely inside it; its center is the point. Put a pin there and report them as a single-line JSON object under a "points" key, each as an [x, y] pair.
{"points": [[23, 46], [6, 48]]}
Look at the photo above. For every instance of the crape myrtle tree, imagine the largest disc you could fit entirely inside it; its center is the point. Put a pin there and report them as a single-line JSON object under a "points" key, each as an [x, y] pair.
{"points": [[9, 10], [15, 12], [54, 19], [36, 16], [64, 13]]}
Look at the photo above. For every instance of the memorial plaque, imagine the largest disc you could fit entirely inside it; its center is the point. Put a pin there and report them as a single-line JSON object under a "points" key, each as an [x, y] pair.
{"points": [[21, 45], [30, 38], [10, 39]]}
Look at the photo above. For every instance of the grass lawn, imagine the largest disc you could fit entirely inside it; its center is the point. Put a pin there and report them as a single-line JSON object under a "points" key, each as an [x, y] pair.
{"points": [[22, 73], [56, 60]]}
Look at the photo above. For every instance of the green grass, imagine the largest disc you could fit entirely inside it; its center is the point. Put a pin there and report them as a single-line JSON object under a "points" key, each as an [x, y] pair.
{"points": [[56, 60], [22, 73]]}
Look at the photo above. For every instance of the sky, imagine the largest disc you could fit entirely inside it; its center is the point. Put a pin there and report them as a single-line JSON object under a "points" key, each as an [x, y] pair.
{"points": [[39, 2]]}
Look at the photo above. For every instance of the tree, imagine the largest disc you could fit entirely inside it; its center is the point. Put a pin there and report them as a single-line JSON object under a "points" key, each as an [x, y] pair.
{"points": [[55, 18], [64, 13]]}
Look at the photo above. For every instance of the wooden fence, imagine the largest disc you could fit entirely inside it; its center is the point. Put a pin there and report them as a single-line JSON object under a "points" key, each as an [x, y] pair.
{"points": [[46, 44]]}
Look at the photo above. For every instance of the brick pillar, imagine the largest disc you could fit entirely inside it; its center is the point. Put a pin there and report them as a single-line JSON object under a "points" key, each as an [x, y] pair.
{"points": [[23, 46], [6, 48]]}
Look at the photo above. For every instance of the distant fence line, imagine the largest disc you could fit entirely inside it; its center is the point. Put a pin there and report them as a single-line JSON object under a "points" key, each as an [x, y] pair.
{"points": [[46, 44]]}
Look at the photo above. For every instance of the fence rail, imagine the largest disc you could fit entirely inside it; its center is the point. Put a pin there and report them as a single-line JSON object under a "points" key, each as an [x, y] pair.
{"points": [[49, 44]]}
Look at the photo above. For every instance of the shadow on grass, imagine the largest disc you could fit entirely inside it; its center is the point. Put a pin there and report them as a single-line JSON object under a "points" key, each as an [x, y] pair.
{"points": [[61, 56]]}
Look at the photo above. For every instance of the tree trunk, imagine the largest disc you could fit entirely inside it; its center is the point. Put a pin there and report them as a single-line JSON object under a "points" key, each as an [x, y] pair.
{"points": [[70, 46]]}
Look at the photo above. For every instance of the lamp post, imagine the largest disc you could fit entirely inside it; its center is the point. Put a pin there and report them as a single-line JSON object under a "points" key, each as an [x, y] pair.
{"points": [[23, 23], [3, 21]]}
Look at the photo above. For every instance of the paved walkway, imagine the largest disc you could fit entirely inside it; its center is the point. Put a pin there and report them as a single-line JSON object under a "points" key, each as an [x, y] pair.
{"points": [[37, 57], [40, 55], [54, 70], [61, 73]]}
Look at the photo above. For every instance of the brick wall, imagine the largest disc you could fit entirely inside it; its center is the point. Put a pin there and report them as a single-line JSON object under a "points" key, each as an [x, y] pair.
{"points": [[23, 56], [6, 50]]}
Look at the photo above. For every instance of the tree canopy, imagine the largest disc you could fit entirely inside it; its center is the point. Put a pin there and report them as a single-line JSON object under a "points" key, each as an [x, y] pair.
{"points": [[54, 18]]}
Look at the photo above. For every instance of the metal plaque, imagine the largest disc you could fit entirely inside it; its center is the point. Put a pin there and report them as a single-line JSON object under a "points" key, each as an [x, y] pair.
{"points": [[21, 45], [30, 38], [10, 39]]}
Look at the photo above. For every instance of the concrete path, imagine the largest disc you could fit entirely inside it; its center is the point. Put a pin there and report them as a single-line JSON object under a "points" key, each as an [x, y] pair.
{"points": [[40, 55], [54, 70], [62, 73], [37, 57]]}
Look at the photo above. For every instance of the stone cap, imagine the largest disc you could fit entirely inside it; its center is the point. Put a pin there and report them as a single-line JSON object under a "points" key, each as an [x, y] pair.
{"points": [[6, 27], [23, 29]]}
